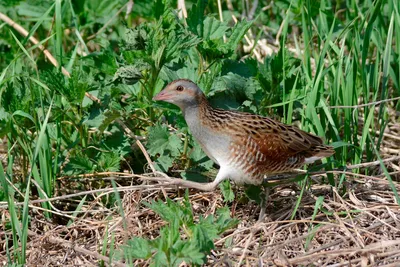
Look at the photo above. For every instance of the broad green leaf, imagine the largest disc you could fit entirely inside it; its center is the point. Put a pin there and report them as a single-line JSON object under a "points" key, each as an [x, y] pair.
{"points": [[95, 118], [109, 162], [204, 233], [135, 39], [238, 32], [161, 141], [187, 252], [227, 191], [79, 164], [163, 163], [224, 220], [196, 17], [214, 29], [139, 248]]}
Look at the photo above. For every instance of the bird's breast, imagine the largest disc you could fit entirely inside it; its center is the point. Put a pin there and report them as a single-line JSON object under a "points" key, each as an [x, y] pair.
{"points": [[214, 143]]}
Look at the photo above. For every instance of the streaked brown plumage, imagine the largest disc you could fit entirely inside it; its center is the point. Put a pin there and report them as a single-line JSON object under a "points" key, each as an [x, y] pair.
{"points": [[246, 146]]}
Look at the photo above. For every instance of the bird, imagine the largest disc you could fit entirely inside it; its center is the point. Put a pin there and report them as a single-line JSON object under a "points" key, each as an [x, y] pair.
{"points": [[247, 147]]}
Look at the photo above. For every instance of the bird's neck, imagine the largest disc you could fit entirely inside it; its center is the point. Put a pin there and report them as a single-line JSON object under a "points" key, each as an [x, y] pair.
{"points": [[193, 110], [193, 115]]}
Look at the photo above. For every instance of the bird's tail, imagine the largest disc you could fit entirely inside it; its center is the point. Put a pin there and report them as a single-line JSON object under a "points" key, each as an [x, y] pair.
{"points": [[319, 152]]}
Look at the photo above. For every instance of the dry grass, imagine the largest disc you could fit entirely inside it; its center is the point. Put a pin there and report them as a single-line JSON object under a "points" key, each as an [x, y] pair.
{"points": [[359, 228]]}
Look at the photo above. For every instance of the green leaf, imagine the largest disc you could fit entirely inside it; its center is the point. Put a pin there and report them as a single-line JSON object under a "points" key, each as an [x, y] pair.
{"points": [[79, 164], [16, 96], [224, 220], [109, 117], [87, 101], [160, 259], [172, 211], [135, 39], [227, 191], [318, 204], [109, 162], [33, 9], [254, 193], [199, 158], [204, 233], [196, 17], [101, 62], [95, 118], [161, 141], [163, 163], [238, 32], [139, 248], [78, 85], [118, 142], [169, 73], [338, 144], [214, 29], [158, 139], [187, 252]]}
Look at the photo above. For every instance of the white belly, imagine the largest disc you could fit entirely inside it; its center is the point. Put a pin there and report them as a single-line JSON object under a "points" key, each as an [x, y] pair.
{"points": [[217, 148]]}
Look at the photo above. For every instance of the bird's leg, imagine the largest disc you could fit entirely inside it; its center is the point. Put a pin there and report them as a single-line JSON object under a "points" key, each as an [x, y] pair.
{"points": [[264, 202], [284, 175], [190, 184], [184, 183]]}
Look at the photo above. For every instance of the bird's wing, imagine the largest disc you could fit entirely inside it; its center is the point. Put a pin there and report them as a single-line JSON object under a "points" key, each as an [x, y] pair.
{"points": [[277, 140]]}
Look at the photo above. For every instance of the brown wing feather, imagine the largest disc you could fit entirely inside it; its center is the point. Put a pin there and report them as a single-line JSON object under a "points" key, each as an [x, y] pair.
{"points": [[280, 141], [276, 139]]}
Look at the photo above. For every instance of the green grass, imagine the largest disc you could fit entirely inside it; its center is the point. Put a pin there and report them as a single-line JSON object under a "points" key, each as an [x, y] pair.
{"points": [[341, 54]]}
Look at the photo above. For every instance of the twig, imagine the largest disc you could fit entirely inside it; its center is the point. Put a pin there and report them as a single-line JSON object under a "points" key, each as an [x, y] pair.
{"points": [[253, 9], [368, 104], [353, 262], [129, 8], [146, 155], [182, 9], [88, 175], [274, 247], [372, 163], [245, 249]]}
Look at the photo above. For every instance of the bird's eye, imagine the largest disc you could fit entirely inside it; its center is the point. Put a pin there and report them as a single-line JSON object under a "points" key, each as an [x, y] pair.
{"points": [[179, 88]]}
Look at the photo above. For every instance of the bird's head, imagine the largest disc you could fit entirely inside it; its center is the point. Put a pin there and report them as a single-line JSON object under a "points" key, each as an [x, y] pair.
{"points": [[183, 93]]}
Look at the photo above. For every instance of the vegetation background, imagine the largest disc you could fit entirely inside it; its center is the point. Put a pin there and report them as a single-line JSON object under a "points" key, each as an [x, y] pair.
{"points": [[83, 145]]}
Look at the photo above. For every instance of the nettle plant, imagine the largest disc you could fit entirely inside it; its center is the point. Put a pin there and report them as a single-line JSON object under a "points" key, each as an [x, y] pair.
{"points": [[183, 240]]}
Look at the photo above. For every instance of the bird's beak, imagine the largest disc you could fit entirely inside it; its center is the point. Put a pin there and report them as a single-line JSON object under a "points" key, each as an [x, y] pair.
{"points": [[162, 96]]}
